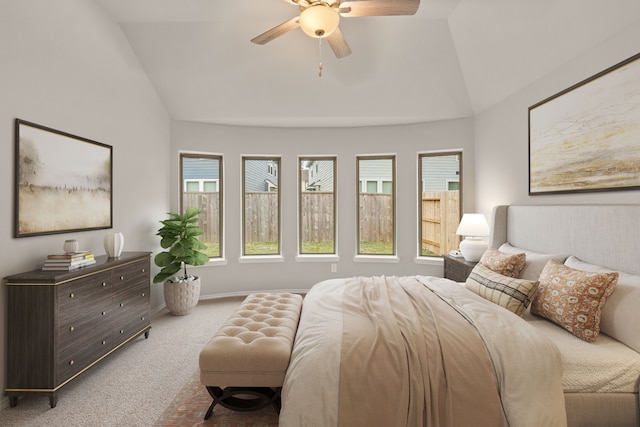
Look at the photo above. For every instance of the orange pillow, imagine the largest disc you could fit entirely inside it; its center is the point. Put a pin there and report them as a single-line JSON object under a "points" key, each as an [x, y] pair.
{"points": [[573, 299], [508, 265]]}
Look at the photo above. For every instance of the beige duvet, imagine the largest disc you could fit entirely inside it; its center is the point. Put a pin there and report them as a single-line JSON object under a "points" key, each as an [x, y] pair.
{"points": [[417, 351]]}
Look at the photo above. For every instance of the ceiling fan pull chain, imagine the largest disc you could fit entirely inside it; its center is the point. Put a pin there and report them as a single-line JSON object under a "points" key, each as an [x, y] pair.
{"points": [[320, 57]]}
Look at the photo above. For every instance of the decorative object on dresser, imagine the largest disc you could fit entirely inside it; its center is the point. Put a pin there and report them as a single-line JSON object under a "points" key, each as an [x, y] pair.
{"points": [[457, 268], [60, 324], [179, 234], [113, 244], [70, 246], [474, 227], [69, 261]]}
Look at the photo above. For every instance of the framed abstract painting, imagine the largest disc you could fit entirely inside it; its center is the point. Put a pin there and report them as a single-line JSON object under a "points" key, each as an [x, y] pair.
{"points": [[587, 137], [63, 182]]}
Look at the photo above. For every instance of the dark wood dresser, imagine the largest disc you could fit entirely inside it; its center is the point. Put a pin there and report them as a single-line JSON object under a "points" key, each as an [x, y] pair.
{"points": [[60, 324], [457, 268]]}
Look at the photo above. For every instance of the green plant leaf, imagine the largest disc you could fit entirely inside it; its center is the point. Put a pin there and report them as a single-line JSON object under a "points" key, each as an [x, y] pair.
{"points": [[179, 235]]}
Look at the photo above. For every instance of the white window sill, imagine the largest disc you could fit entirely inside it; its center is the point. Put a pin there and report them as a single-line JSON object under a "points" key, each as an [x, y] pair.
{"points": [[376, 258], [429, 260], [248, 259], [216, 261], [317, 258]]}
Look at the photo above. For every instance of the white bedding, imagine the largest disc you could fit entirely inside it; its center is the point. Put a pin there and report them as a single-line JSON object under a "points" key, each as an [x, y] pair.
{"points": [[309, 394], [605, 366]]}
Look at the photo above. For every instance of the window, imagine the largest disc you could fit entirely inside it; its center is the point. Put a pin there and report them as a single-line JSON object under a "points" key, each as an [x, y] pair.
{"points": [[317, 205], [261, 206], [440, 202], [201, 177], [376, 205]]}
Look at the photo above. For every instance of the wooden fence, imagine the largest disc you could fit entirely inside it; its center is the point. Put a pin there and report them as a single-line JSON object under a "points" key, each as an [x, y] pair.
{"points": [[440, 218], [209, 204], [376, 217], [261, 217], [316, 216]]}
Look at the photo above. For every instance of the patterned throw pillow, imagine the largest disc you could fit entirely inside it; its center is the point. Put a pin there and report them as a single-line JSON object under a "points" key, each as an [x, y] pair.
{"points": [[573, 299], [505, 264], [508, 292]]}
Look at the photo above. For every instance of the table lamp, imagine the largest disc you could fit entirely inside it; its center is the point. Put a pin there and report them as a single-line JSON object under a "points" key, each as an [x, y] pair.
{"points": [[473, 227]]}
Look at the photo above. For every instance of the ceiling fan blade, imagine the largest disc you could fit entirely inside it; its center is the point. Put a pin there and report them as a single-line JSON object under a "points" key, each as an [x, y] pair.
{"points": [[277, 31], [378, 7], [338, 44]]}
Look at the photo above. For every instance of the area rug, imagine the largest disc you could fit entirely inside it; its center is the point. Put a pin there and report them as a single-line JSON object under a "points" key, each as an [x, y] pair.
{"points": [[193, 400]]}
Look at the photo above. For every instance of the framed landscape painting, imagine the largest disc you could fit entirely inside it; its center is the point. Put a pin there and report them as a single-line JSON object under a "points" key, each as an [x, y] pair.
{"points": [[587, 137], [62, 182]]}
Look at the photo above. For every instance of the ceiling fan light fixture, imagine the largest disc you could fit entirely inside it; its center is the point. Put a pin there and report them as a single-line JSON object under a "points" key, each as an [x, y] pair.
{"points": [[319, 21]]}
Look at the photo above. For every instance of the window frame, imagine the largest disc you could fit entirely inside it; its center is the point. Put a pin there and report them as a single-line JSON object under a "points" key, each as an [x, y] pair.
{"points": [[358, 180], [333, 159], [220, 185], [421, 155], [271, 159]]}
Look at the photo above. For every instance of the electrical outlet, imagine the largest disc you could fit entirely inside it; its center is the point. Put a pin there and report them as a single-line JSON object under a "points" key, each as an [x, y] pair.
{"points": [[334, 268]]}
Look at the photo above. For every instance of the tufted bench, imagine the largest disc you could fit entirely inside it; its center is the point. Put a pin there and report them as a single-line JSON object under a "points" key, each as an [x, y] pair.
{"points": [[244, 364]]}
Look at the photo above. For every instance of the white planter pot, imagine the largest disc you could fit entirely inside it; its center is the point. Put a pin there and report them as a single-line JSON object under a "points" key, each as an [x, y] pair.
{"points": [[113, 244], [181, 297]]}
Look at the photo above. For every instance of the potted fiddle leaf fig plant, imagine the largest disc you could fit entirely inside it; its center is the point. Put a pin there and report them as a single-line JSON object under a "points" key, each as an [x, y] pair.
{"points": [[179, 236]]}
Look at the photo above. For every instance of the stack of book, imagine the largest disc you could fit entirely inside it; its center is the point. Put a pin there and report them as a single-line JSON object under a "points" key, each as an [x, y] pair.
{"points": [[68, 262]]}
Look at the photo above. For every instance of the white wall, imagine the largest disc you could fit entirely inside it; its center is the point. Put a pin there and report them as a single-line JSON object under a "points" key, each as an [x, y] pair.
{"points": [[501, 135], [345, 143], [64, 64]]}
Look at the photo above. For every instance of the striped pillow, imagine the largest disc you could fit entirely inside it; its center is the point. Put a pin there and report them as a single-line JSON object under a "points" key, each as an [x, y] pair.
{"points": [[513, 294]]}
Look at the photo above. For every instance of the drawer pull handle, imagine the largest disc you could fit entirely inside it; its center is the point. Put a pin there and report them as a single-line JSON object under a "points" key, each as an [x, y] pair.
{"points": [[121, 331], [104, 313], [71, 329], [71, 362], [121, 304], [143, 270], [121, 277], [72, 296], [143, 294], [104, 284], [142, 318], [103, 342]]}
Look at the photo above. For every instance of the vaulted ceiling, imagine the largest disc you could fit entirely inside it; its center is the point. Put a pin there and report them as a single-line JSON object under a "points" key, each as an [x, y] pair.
{"points": [[453, 58]]}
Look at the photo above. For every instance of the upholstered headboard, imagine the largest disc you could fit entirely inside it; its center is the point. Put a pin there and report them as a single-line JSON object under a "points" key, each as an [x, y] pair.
{"points": [[605, 235]]}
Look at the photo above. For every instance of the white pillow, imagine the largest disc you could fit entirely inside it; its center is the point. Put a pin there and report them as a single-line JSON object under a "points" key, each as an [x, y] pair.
{"points": [[535, 261], [620, 317]]}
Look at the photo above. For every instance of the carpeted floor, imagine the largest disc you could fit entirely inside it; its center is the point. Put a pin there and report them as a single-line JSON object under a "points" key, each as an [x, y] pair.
{"points": [[138, 386], [191, 404]]}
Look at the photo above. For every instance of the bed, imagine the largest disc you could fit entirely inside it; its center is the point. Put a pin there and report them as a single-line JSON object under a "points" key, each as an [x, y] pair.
{"points": [[361, 357]]}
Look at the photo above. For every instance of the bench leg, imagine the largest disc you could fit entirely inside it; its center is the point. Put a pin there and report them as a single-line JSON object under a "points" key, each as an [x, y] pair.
{"points": [[254, 398]]}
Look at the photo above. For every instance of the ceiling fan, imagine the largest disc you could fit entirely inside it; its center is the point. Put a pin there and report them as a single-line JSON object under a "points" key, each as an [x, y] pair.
{"points": [[320, 19]]}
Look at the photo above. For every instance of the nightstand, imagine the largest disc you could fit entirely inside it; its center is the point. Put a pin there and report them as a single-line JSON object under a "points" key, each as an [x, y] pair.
{"points": [[457, 269]]}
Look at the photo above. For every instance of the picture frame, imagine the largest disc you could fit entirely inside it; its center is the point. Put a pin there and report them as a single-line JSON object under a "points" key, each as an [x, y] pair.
{"points": [[63, 182], [586, 138]]}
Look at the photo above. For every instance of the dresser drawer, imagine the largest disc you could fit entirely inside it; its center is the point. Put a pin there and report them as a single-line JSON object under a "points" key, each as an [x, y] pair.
{"points": [[76, 294], [74, 359], [92, 323], [131, 327], [131, 273]]}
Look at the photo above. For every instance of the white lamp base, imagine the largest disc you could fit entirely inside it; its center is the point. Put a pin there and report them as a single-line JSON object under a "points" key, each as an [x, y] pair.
{"points": [[472, 248]]}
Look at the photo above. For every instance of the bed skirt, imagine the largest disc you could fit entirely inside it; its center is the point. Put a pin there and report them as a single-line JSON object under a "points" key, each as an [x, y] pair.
{"points": [[602, 409]]}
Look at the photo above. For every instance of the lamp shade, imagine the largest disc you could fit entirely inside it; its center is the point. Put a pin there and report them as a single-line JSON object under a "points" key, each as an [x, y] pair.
{"points": [[319, 21], [473, 227], [473, 224]]}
